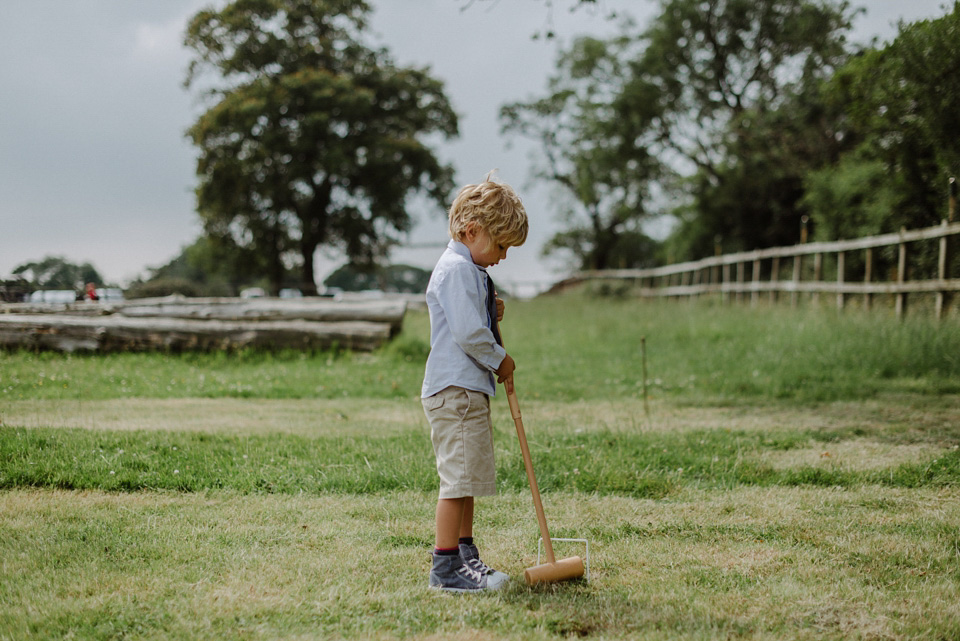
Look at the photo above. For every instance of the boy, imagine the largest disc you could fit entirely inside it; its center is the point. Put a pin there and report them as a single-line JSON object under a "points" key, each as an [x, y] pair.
{"points": [[465, 353]]}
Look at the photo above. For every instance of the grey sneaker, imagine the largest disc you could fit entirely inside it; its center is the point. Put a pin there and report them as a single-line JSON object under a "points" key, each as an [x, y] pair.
{"points": [[471, 557], [451, 574]]}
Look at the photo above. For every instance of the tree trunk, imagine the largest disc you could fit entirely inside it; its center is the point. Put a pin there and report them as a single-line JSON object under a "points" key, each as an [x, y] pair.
{"points": [[313, 226], [601, 244], [308, 280], [275, 275]]}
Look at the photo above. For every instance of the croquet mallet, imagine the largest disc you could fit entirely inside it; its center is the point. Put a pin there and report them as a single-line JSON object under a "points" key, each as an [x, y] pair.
{"points": [[553, 570]]}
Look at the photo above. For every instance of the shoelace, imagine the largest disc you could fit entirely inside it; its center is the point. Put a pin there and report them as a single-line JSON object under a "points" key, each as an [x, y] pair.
{"points": [[470, 573], [480, 566]]}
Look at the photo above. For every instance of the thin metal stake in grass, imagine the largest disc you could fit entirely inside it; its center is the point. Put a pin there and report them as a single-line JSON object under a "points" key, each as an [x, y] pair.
{"points": [[643, 356]]}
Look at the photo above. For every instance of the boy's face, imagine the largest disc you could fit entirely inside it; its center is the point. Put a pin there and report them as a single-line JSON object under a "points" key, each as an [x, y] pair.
{"points": [[484, 250]]}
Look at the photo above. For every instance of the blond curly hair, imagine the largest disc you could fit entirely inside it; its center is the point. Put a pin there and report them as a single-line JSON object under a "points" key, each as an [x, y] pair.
{"points": [[493, 206]]}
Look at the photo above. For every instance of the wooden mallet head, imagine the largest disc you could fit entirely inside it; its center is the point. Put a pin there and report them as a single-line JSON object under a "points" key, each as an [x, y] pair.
{"points": [[562, 570]]}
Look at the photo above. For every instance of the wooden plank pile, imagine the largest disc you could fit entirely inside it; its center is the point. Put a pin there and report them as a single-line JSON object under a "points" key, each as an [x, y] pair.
{"points": [[176, 323]]}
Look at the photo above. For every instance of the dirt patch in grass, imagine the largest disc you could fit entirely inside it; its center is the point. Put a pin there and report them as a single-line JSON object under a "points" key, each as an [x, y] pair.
{"points": [[302, 416], [915, 417], [241, 416], [851, 455]]}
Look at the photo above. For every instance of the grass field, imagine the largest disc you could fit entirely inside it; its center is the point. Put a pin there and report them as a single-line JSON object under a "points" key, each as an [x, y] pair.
{"points": [[797, 476]]}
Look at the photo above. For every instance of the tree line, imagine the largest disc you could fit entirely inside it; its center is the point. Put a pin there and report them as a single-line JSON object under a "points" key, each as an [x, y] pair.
{"points": [[733, 120], [741, 120]]}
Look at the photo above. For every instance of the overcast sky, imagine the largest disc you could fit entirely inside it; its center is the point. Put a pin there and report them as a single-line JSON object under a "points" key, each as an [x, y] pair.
{"points": [[94, 165]]}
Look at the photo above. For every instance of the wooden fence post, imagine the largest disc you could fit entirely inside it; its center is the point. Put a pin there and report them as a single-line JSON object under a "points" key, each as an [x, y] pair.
{"points": [[741, 269], [867, 277], [794, 295], [952, 207], [941, 273], [755, 294], [643, 356], [715, 270], [817, 275], [725, 281], [943, 265], [797, 261], [901, 275], [774, 278], [840, 269]]}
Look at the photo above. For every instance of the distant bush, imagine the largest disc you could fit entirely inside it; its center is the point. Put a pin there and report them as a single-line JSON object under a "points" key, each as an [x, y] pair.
{"points": [[164, 287], [392, 278]]}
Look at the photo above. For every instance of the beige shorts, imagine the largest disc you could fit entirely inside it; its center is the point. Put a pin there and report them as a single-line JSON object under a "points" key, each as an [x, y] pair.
{"points": [[462, 435]]}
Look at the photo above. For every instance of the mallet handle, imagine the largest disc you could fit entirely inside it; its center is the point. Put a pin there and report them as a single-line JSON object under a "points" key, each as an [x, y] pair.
{"points": [[528, 464]]}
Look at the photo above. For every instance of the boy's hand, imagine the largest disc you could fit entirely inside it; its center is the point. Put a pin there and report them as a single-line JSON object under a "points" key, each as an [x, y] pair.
{"points": [[507, 366], [499, 309]]}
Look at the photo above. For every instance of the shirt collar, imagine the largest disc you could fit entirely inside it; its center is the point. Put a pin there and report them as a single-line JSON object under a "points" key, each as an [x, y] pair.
{"points": [[462, 250]]}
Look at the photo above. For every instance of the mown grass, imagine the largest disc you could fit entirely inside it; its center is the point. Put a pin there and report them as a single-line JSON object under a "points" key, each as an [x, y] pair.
{"points": [[599, 462], [797, 477], [750, 563]]}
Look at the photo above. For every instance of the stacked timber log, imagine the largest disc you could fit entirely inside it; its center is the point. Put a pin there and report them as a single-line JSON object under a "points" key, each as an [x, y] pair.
{"points": [[176, 323]]}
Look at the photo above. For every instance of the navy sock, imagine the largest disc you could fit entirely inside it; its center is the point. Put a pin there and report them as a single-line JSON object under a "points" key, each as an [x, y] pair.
{"points": [[466, 540], [446, 551]]}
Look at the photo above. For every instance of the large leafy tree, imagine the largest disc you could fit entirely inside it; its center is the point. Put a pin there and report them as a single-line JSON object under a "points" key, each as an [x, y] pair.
{"points": [[601, 163], [721, 93], [900, 116], [713, 61], [313, 138], [737, 84], [755, 196], [900, 105]]}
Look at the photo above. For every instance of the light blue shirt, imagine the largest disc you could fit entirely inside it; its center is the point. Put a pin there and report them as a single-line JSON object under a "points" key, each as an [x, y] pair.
{"points": [[463, 351]]}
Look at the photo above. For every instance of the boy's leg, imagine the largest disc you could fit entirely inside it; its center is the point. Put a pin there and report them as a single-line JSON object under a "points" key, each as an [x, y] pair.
{"points": [[450, 571], [463, 443], [469, 552], [466, 521], [450, 513]]}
